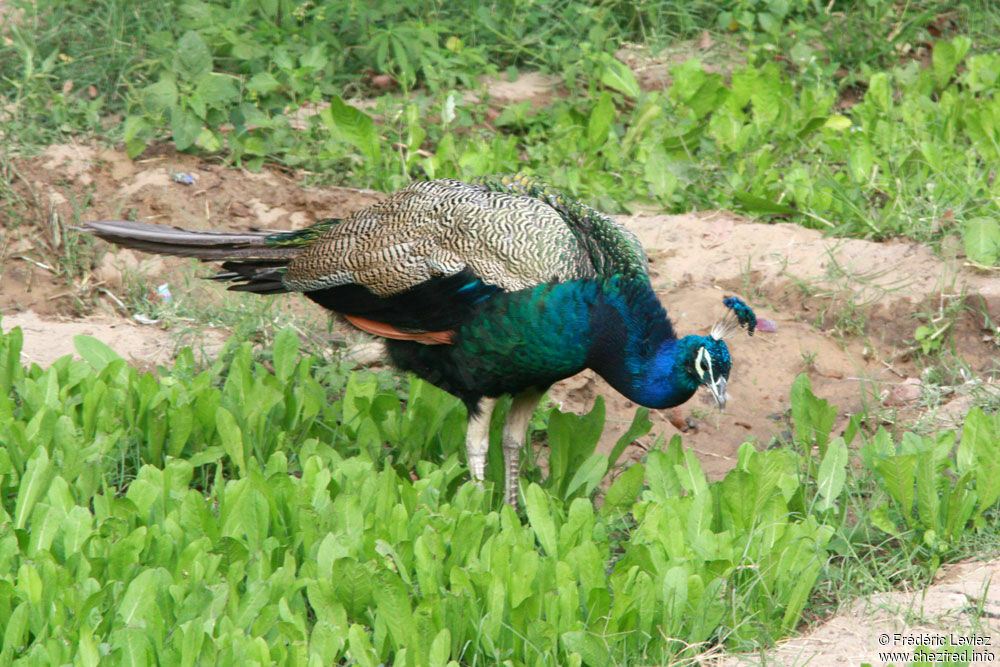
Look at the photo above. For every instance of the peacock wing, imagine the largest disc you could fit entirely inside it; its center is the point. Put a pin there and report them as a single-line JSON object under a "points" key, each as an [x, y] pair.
{"points": [[439, 228], [612, 249], [423, 257]]}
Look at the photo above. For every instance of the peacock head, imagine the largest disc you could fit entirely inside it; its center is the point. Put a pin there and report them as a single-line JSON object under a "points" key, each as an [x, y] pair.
{"points": [[704, 361]]}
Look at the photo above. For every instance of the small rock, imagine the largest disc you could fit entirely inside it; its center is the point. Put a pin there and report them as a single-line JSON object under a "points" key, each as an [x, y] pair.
{"points": [[382, 81], [240, 210], [368, 353], [907, 391]]}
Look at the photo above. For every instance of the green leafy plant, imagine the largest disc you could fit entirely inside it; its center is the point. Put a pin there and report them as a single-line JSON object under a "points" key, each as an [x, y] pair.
{"points": [[188, 97], [935, 490], [236, 512]]}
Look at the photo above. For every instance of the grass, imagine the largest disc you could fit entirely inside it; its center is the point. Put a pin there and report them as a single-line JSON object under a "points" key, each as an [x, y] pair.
{"points": [[841, 120]]}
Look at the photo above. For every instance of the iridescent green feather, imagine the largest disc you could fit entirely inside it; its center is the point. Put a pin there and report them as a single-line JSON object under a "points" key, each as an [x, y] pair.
{"points": [[303, 237]]}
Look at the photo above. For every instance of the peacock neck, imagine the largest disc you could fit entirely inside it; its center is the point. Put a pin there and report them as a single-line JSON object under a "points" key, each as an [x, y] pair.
{"points": [[537, 336], [634, 347]]}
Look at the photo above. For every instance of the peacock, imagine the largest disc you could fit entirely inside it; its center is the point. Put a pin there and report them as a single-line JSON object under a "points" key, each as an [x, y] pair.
{"points": [[498, 286]]}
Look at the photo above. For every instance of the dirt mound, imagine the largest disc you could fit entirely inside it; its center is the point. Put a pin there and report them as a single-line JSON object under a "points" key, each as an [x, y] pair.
{"points": [[163, 186]]}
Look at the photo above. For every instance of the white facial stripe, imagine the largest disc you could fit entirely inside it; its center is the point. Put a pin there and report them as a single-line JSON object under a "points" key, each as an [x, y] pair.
{"points": [[703, 356]]}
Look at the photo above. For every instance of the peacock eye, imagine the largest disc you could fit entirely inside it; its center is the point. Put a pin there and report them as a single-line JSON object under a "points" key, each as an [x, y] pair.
{"points": [[702, 364]]}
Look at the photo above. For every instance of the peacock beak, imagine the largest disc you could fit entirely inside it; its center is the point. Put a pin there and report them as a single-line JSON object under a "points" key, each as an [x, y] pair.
{"points": [[718, 389]]}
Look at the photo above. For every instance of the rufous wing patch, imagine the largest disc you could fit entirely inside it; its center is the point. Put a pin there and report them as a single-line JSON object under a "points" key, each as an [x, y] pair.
{"points": [[389, 331]]}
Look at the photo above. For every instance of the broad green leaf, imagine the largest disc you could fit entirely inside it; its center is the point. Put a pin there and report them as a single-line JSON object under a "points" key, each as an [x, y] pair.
{"points": [[132, 644], [34, 483], [799, 594], [185, 127], [357, 400], [691, 475], [623, 492], [837, 122], [29, 584], [216, 90], [832, 474], [675, 599], [756, 204], [77, 528], [572, 439], [617, 76], [658, 176], [928, 499], [353, 585], [945, 58], [861, 161], [981, 237], [392, 604], [813, 417], [286, 352], [17, 625], [602, 117], [263, 83], [156, 98], [232, 439], [207, 455], [180, 423], [639, 427], [961, 504], [87, 651], [879, 91], [440, 649], [192, 58], [898, 473], [589, 475], [592, 649], [536, 506], [660, 471], [360, 646], [231, 550], [354, 126], [139, 598], [94, 352], [644, 119]]}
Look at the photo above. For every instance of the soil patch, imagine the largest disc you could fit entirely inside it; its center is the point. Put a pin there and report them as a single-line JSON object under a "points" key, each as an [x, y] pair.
{"points": [[48, 339]]}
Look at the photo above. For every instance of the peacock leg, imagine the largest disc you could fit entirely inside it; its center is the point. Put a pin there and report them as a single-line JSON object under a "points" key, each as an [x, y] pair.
{"points": [[515, 432], [477, 439]]}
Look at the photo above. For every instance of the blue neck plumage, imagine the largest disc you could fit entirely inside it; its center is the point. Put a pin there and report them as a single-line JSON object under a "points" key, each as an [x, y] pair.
{"points": [[634, 348]]}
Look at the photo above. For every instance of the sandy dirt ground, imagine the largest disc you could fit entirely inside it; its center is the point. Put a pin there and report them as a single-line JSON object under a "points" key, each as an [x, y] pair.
{"points": [[844, 311]]}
